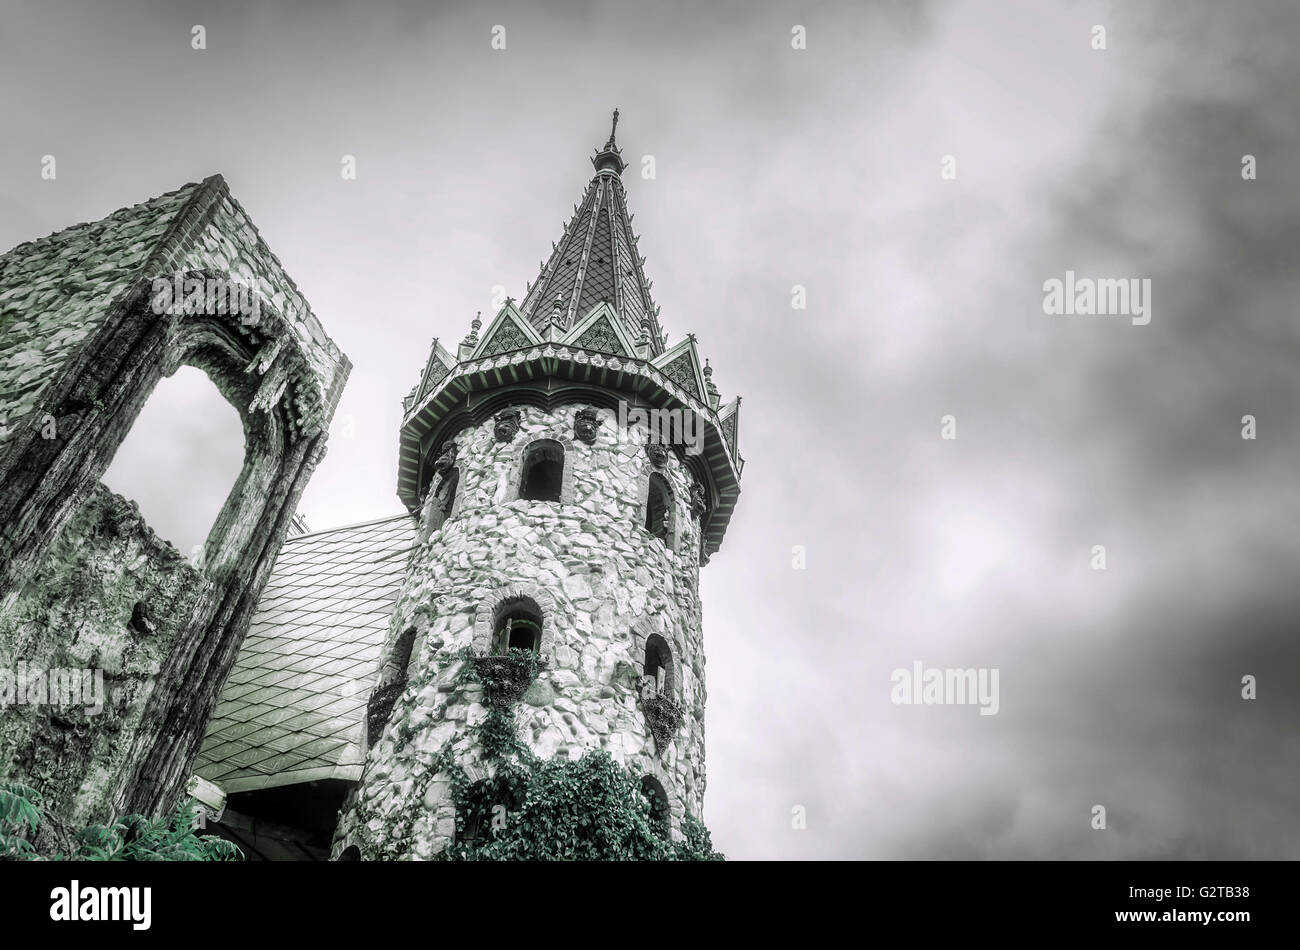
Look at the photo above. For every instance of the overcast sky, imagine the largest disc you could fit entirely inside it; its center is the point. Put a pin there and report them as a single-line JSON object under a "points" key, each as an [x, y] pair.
{"points": [[817, 167]]}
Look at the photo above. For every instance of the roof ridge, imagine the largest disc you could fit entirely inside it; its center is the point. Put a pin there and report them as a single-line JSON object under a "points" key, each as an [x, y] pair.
{"points": [[346, 527]]}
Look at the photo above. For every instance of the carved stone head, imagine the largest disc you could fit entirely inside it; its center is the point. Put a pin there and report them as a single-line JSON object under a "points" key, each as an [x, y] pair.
{"points": [[507, 424], [657, 452], [698, 504], [446, 460], [585, 424]]}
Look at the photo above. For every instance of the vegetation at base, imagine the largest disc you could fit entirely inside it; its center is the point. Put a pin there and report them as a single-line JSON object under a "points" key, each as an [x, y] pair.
{"points": [[532, 809], [130, 838], [589, 809]]}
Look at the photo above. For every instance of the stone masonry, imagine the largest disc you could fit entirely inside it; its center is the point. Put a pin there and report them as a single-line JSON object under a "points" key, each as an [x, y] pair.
{"points": [[603, 585]]}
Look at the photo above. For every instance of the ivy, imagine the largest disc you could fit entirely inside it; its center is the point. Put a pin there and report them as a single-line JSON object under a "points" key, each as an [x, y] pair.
{"points": [[530, 809], [130, 838], [665, 718]]}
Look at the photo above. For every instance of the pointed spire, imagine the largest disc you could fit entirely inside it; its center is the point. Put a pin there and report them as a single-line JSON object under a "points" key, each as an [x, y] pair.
{"points": [[714, 396], [596, 259], [609, 156]]}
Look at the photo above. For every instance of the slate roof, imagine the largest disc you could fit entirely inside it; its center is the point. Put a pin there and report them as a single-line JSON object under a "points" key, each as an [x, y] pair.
{"points": [[596, 259], [293, 709]]}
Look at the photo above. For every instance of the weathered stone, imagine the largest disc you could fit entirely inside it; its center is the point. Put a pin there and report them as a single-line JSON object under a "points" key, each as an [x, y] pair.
{"points": [[539, 694], [78, 569]]}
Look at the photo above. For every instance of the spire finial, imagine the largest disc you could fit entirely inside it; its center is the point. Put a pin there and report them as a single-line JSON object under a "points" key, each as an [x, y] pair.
{"points": [[609, 157], [612, 129]]}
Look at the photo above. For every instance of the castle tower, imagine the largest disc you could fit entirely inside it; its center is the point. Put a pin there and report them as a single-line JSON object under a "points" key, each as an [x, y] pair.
{"points": [[570, 475]]}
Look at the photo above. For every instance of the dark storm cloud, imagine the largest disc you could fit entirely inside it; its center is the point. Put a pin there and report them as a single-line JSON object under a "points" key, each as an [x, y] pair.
{"points": [[1140, 708]]}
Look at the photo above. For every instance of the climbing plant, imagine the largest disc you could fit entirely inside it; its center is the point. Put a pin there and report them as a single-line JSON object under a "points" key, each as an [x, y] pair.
{"points": [[130, 838], [533, 809]]}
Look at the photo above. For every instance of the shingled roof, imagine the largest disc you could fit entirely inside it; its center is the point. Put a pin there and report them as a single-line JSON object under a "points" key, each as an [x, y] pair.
{"points": [[293, 709], [596, 259]]}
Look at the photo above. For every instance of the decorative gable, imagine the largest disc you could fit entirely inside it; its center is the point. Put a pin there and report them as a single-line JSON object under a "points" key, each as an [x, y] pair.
{"points": [[601, 331], [435, 371], [730, 419], [681, 364], [509, 331]]}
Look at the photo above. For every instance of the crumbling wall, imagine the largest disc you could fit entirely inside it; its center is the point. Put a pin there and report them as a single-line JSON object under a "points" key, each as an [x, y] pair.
{"points": [[271, 360], [109, 601]]}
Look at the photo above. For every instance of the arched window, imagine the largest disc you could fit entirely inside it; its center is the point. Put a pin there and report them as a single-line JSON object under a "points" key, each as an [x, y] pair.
{"points": [[659, 664], [542, 474], [443, 499], [399, 660], [185, 418], [518, 626], [392, 683], [658, 798], [659, 509], [350, 853]]}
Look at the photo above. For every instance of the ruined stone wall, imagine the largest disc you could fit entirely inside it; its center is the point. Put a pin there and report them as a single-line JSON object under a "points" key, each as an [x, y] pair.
{"points": [[89, 348], [603, 584], [109, 599], [49, 306]]}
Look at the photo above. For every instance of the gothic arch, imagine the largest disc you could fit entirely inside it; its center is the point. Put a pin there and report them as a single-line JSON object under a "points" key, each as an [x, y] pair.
{"points": [[654, 482], [645, 640], [521, 453], [655, 770], [490, 608], [660, 810]]}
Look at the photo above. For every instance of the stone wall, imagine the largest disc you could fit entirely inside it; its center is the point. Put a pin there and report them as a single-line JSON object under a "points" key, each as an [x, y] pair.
{"points": [[109, 599], [91, 332], [603, 584]]}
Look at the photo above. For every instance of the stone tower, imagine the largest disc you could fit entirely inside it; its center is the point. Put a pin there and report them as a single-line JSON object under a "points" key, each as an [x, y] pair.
{"points": [[570, 475]]}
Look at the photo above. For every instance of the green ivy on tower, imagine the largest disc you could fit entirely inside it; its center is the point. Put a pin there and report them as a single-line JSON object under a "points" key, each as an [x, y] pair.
{"points": [[533, 809]]}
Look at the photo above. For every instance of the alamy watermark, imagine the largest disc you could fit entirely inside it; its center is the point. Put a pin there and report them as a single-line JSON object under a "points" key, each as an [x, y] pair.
{"points": [[946, 686], [205, 296], [62, 688], [1124, 296], [664, 427]]}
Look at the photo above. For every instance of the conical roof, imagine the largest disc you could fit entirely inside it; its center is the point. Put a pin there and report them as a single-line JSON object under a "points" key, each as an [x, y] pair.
{"points": [[596, 259]]}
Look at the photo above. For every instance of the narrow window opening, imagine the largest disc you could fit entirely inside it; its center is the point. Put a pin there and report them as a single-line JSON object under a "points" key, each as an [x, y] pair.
{"points": [[654, 792], [658, 508], [399, 661], [392, 683], [658, 664], [543, 471], [445, 499]]}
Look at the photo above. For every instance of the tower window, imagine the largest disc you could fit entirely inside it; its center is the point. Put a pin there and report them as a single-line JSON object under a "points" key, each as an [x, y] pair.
{"points": [[518, 627], [654, 792], [392, 683], [659, 508], [658, 664], [400, 659], [543, 471]]}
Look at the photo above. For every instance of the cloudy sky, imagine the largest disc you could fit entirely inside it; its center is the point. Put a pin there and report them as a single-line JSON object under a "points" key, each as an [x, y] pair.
{"points": [[817, 167]]}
